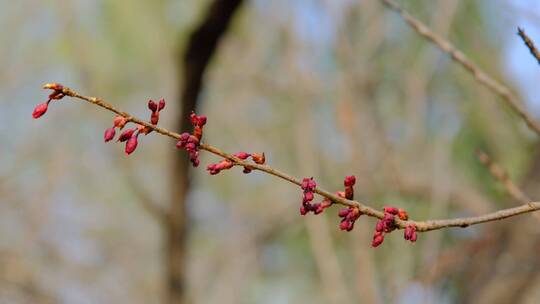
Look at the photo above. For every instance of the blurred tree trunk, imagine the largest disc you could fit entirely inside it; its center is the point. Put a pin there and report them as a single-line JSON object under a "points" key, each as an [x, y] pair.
{"points": [[201, 47]]}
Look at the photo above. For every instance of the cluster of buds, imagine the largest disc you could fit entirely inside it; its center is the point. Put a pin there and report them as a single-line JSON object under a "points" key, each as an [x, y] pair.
{"points": [[348, 218], [191, 142], [226, 164], [57, 94], [131, 136], [155, 108], [309, 185], [348, 215], [387, 224]]}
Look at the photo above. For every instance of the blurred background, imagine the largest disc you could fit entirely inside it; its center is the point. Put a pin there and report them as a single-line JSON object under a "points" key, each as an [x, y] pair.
{"points": [[326, 89]]}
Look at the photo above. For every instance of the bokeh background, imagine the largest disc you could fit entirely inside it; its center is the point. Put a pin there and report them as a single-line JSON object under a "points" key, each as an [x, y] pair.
{"points": [[326, 89]]}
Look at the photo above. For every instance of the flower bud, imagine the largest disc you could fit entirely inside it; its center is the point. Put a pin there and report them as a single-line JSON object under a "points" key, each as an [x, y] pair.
{"points": [[161, 105], [391, 210], [154, 118], [127, 134], [109, 134], [242, 155], [349, 181], [258, 158], [343, 212], [119, 122], [131, 145], [40, 109], [378, 239], [152, 106]]}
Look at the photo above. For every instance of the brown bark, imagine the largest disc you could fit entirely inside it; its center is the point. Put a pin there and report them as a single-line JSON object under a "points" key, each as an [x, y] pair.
{"points": [[201, 47]]}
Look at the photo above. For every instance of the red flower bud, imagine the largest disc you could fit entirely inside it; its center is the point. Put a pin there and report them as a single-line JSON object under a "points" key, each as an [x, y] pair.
{"points": [[410, 233], [349, 181], [161, 105], [343, 212], [40, 109], [346, 225], [246, 170], [202, 121], [349, 192], [119, 122], [258, 158], [308, 197], [379, 227], [109, 134], [242, 155], [303, 210], [127, 134], [154, 118], [198, 132], [152, 106], [131, 145], [391, 210], [378, 238]]}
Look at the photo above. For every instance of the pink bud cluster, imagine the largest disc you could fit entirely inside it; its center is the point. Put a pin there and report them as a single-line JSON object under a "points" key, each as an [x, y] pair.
{"points": [[309, 185], [191, 142], [348, 218], [348, 215], [57, 94], [226, 164], [155, 108], [131, 136], [387, 224]]}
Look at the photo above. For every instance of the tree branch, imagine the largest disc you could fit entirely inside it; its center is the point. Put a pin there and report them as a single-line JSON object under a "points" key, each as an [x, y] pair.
{"points": [[365, 209], [482, 77]]}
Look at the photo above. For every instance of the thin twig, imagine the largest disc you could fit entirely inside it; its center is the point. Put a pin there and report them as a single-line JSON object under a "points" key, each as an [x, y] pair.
{"points": [[500, 174], [482, 77], [365, 209], [529, 43]]}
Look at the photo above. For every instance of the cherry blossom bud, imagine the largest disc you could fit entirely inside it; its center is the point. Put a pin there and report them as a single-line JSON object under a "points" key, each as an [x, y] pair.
{"points": [[161, 105], [343, 212], [258, 158], [40, 109], [198, 132], [378, 238], [379, 227], [349, 193], [308, 197], [246, 170], [410, 233], [131, 144], [202, 121], [242, 155], [303, 210], [109, 134], [152, 106], [127, 134], [391, 210], [154, 118], [346, 225], [349, 181], [119, 122]]}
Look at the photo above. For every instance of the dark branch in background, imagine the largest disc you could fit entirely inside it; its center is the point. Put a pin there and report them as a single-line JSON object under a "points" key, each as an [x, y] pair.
{"points": [[201, 47], [482, 77], [529, 43]]}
